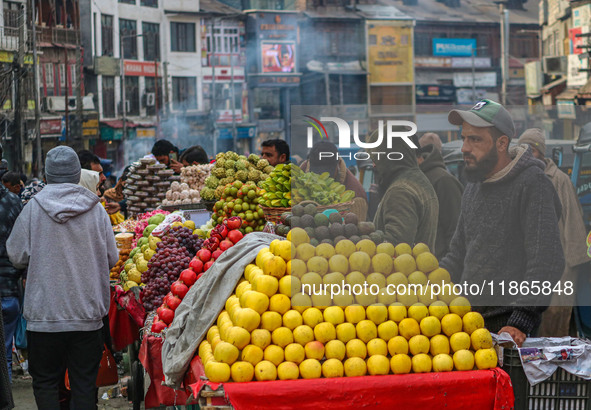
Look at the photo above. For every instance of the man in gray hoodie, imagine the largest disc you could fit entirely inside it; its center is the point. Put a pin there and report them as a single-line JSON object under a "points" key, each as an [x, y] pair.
{"points": [[65, 238]]}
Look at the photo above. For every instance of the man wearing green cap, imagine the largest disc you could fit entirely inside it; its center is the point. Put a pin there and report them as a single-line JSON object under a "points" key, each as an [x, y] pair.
{"points": [[508, 226]]}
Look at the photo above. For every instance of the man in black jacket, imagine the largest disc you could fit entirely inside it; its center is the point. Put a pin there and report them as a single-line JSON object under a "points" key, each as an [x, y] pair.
{"points": [[508, 226], [449, 195], [10, 208]]}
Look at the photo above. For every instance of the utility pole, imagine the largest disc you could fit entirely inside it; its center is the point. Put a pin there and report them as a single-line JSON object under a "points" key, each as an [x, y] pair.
{"points": [[78, 130], [123, 97], [20, 95], [504, 51], [233, 105], [38, 149], [213, 109]]}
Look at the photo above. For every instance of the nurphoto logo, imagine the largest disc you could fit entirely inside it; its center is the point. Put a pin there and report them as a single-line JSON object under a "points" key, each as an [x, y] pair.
{"points": [[391, 130]]}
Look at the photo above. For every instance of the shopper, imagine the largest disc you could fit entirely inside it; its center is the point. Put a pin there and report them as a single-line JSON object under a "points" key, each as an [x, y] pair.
{"points": [[10, 208], [90, 161], [431, 138], [557, 320], [449, 195], [408, 208], [508, 226], [90, 180], [6, 401], [336, 167], [31, 189], [276, 151], [67, 285], [13, 182]]}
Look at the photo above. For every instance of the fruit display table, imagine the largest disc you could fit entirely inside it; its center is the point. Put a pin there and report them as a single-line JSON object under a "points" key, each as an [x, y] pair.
{"points": [[481, 389], [150, 356]]}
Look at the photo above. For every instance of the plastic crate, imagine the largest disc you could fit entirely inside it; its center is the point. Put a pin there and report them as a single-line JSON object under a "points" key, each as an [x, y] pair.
{"points": [[562, 391]]}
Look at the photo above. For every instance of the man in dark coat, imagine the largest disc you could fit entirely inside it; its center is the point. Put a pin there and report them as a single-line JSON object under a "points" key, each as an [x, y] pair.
{"points": [[449, 195]]}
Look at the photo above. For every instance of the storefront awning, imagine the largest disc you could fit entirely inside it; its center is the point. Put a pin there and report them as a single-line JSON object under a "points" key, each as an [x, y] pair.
{"points": [[553, 84], [568, 94], [118, 124], [344, 68]]}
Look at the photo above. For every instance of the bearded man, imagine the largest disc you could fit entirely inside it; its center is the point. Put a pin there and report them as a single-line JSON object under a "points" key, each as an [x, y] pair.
{"points": [[508, 224]]}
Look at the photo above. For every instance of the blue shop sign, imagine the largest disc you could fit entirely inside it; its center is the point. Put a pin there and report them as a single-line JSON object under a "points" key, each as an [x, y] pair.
{"points": [[453, 47]]}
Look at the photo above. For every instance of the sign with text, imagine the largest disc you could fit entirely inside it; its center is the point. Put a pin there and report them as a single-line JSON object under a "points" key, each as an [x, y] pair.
{"points": [[141, 68], [450, 47], [485, 79], [390, 53]]}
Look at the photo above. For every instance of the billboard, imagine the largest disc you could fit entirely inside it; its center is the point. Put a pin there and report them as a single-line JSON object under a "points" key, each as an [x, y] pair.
{"points": [[454, 47], [390, 53], [278, 57]]}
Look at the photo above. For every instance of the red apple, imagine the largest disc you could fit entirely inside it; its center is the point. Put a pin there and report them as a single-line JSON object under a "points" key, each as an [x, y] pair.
{"points": [[207, 266], [216, 254], [188, 277], [166, 315], [158, 326], [196, 264], [204, 255], [235, 235], [179, 289], [172, 301], [226, 244]]}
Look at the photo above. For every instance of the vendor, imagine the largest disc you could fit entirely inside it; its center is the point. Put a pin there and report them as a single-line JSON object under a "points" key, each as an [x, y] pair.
{"points": [[275, 151], [13, 182], [336, 167], [166, 153], [194, 155]]}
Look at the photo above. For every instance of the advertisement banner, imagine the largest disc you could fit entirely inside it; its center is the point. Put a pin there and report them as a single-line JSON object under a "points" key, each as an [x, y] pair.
{"points": [[278, 57], [390, 53], [575, 77], [453, 47], [485, 79], [141, 68]]}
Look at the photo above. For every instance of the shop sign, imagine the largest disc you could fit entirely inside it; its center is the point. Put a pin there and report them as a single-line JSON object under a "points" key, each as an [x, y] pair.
{"points": [[274, 81], [575, 77], [390, 53], [146, 132], [482, 79], [241, 133], [533, 77], [453, 46], [577, 41], [435, 93], [50, 126], [107, 66], [8, 57], [141, 68]]}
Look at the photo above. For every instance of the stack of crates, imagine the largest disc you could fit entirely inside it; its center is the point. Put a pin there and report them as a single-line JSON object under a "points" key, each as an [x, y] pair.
{"points": [[562, 391]]}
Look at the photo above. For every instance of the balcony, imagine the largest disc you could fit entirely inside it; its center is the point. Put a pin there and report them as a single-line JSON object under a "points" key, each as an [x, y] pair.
{"points": [[58, 35]]}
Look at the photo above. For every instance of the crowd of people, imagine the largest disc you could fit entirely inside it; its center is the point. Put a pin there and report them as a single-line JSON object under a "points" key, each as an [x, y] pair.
{"points": [[518, 214]]}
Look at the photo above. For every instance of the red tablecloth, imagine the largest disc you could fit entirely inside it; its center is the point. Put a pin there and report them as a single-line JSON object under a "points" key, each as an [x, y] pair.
{"points": [[483, 389], [150, 356], [124, 330]]}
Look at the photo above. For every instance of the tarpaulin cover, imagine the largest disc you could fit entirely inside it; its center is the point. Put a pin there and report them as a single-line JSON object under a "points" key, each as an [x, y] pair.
{"points": [[150, 356], [480, 389], [203, 303], [124, 330]]}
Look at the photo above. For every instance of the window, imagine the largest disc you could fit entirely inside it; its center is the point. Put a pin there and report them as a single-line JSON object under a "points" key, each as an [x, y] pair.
{"points": [[182, 37], [132, 94], [107, 34], [149, 3], [127, 1], [224, 44], [49, 76], [108, 96], [153, 103], [267, 103], [62, 79], [223, 96], [151, 36], [184, 93], [128, 29], [12, 14]]}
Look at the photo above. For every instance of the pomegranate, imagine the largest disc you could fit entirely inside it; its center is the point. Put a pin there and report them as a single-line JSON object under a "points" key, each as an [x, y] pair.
{"points": [[158, 326], [226, 244], [172, 301], [196, 264], [217, 254], [179, 289], [235, 235], [188, 277], [166, 315], [204, 255]]}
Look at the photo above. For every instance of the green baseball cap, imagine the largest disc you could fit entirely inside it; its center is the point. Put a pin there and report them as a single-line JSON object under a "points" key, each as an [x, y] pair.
{"points": [[485, 113]]}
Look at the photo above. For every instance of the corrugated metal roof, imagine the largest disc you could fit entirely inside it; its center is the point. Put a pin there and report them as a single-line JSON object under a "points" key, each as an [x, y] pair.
{"points": [[475, 11]]}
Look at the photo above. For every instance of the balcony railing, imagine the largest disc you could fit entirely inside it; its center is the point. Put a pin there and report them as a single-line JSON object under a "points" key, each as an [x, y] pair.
{"points": [[58, 35]]}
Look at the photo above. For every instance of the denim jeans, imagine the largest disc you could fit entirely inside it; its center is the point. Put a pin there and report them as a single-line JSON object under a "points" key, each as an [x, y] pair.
{"points": [[10, 315]]}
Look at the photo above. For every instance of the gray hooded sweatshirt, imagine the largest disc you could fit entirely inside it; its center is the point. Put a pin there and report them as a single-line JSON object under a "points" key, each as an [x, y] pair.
{"points": [[65, 238]]}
